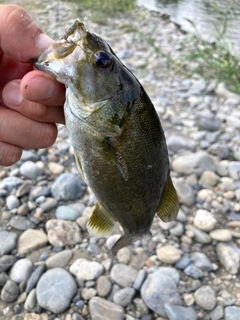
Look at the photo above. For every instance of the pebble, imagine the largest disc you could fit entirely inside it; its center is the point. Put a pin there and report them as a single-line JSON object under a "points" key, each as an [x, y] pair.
{"points": [[193, 163], [67, 187], [88, 293], [232, 313], [48, 204], [221, 235], [159, 289], [128, 275], [234, 169], [6, 261], [12, 202], [177, 143], [8, 242], [21, 223], [124, 255], [104, 286], [204, 220], [201, 261], [51, 283], [199, 235], [10, 291], [179, 313], [228, 256], [60, 259], [30, 170], [216, 314], [21, 270], [193, 271], [62, 233], [31, 301], [169, 254], [185, 193], [67, 213], [11, 183], [33, 279], [205, 298], [38, 192], [31, 240], [56, 168], [208, 179], [123, 297], [139, 280], [86, 269], [102, 309]]}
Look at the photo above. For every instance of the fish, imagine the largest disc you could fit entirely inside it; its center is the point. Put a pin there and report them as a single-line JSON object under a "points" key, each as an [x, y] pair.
{"points": [[119, 143]]}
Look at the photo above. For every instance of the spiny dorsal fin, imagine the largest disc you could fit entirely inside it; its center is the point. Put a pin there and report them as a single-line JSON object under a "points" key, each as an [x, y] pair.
{"points": [[101, 223], [169, 206]]}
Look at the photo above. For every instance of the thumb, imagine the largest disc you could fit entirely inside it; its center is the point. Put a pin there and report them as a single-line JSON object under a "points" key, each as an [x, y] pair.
{"points": [[20, 37]]}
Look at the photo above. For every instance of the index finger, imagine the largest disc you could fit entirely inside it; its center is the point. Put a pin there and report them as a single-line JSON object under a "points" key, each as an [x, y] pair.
{"points": [[20, 37]]}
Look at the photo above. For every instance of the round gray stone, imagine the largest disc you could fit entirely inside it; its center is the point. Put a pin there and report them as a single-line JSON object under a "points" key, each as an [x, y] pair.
{"points": [[12, 202], [8, 241], [124, 296], [86, 269], [10, 291], [179, 313], [157, 290], [6, 262], [232, 313], [205, 298], [193, 163], [55, 290], [30, 170], [21, 223], [21, 270], [67, 187], [59, 259], [67, 213], [128, 275]]}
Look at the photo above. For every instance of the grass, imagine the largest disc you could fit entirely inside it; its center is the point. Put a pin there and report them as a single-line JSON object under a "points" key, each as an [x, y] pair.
{"points": [[101, 10], [212, 61]]}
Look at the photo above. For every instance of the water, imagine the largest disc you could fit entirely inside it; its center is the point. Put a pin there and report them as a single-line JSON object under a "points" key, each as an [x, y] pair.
{"points": [[208, 16]]}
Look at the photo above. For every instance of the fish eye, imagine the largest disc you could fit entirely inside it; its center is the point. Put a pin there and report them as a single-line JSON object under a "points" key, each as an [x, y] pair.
{"points": [[102, 59]]}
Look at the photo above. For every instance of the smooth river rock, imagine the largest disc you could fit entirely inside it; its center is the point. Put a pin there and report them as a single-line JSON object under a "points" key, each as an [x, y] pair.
{"points": [[55, 290], [159, 289]]}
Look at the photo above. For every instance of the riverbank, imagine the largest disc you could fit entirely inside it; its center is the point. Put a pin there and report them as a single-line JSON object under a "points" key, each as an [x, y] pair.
{"points": [[51, 268]]}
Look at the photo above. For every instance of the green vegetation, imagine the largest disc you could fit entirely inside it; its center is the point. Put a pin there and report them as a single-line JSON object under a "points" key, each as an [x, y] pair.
{"points": [[214, 61], [100, 10]]}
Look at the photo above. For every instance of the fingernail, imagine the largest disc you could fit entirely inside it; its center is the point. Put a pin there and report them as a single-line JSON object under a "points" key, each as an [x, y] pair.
{"points": [[43, 41], [12, 95]]}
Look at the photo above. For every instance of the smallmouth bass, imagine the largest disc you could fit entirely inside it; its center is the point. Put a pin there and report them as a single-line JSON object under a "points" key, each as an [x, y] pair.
{"points": [[119, 144]]}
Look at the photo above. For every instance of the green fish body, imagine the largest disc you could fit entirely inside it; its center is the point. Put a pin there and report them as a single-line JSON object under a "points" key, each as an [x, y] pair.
{"points": [[119, 143]]}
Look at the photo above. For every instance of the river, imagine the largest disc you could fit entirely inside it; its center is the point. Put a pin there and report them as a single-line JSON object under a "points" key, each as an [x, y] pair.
{"points": [[209, 17]]}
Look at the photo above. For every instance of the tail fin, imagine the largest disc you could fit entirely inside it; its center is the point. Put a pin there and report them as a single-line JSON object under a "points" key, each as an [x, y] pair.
{"points": [[126, 240]]}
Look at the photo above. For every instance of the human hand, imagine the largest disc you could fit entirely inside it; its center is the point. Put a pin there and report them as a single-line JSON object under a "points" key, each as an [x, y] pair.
{"points": [[30, 100]]}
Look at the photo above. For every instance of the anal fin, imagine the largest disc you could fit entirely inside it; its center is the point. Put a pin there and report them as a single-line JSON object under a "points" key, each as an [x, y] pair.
{"points": [[101, 223], [169, 205]]}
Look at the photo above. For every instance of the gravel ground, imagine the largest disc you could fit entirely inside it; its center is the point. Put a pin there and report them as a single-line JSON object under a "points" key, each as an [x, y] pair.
{"points": [[51, 268]]}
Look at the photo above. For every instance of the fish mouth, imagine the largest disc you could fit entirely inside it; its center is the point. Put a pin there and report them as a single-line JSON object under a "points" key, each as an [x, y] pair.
{"points": [[60, 52]]}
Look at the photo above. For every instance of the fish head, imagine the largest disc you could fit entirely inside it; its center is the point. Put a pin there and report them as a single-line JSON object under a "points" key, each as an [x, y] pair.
{"points": [[83, 61]]}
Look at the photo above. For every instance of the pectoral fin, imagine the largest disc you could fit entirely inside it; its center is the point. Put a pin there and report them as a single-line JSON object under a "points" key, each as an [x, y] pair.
{"points": [[114, 157], [79, 165], [169, 206], [101, 223]]}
